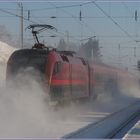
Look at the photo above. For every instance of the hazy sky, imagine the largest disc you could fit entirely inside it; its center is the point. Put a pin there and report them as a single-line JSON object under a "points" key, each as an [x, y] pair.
{"points": [[112, 22]]}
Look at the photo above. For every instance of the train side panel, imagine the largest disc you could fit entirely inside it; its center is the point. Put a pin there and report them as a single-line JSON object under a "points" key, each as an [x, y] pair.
{"points": [[68, 78], [79, 79], [103, 80]]}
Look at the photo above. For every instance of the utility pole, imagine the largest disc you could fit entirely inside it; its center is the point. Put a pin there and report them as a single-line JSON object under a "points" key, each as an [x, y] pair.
{"points": [[134, 51], [136, 19], [119, 49], [67, 34], [21, 26]]}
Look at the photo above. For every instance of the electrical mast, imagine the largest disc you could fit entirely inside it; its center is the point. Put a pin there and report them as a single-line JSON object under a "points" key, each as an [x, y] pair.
{"points": [[21, 24]]}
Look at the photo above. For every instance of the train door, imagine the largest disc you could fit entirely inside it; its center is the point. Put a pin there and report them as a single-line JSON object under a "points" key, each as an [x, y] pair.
{"points": [[56, 82], [60, 88], [66, 84]]}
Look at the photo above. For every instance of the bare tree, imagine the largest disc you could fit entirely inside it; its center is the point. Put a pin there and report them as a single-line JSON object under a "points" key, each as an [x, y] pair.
{"points": [[90, 50]]}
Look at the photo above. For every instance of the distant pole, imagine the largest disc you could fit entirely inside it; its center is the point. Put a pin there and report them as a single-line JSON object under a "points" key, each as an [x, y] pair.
{"points": [[67, 34], [80, 14], [119, 48], [80, 19], [21, 25], [134, 51], [136, 19]]}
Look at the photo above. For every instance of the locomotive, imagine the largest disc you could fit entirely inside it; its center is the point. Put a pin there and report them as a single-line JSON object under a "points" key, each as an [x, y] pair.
{"points": [[67, 75]]}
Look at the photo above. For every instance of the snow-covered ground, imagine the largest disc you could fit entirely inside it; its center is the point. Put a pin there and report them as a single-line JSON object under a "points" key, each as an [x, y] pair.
{"points": [[24, 112], [5, 52]]}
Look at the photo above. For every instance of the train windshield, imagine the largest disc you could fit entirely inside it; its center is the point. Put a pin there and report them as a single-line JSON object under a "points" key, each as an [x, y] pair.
{"points": [[28, 58]]}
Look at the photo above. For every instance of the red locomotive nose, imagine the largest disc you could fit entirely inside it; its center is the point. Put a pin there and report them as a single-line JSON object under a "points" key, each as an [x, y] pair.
{"points": [[27, 59]]}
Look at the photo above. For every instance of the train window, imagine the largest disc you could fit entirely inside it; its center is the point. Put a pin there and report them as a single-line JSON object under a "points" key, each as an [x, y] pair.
{"points": [[38, 63], [57, 68], [64, 58], [27, 58]]}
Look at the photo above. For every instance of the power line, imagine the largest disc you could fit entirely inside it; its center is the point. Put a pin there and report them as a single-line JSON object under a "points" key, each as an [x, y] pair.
{"points": [[100, 36], [61, 7], [13, 14], [72, 16], [86, 17], [60, 32], [26, 19], [118, 25]]}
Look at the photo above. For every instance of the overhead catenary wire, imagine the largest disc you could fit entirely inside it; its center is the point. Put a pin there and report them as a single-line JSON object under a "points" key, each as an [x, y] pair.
{"points": [[77, 19], [117, 24], [62, 34], [58, 31], [26, 19], [13, 14], [71, 16], [84, 17], [61, 7]]}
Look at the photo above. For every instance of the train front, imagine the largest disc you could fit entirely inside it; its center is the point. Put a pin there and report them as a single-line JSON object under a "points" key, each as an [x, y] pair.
{"points": [[26, 63]]}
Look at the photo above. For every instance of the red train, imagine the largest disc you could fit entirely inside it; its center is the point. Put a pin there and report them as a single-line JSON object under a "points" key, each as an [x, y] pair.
{"points": [[67, 75]]}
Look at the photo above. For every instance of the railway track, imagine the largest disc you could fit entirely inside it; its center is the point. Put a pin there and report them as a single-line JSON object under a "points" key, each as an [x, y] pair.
{"points": [[109, 126]]}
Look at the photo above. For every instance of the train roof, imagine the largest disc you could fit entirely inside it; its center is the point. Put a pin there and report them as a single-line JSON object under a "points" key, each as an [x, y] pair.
{"points": [[29, 52], [44, 51]]}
